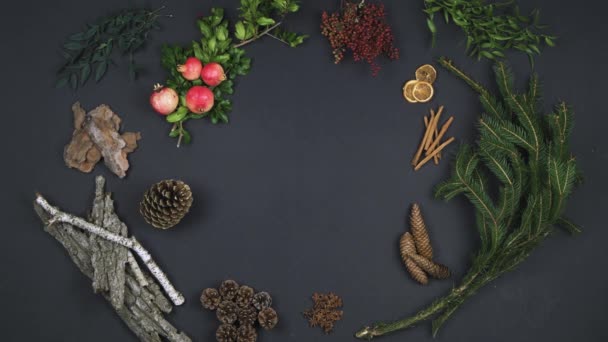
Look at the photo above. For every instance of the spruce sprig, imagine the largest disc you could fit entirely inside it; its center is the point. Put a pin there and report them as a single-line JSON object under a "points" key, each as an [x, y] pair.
{"points": [[89, 52], [526, 153], [491, 28]]}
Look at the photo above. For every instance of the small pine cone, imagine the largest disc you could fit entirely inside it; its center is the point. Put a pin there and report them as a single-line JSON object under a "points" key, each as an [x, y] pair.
{"points": [[421, 236], [210, 298], [166, 203], [244, 296], [268, 318], [247, 315], [227, 312], [226, 333], [247, 333], [262, 300], [229, 289], [407, 248], [435, 270]]}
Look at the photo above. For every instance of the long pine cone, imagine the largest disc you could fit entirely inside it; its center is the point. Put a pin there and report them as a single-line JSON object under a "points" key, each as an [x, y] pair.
{"points": [[421, 236], [434, 269], [407, 248]]}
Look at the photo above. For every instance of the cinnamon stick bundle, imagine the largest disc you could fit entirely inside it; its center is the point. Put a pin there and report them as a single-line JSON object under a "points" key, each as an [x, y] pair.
{"points": [[431, 144]]}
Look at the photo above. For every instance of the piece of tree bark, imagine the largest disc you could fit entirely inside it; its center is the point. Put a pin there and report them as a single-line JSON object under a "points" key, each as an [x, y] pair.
{"points": [[109, 259], [80, 153], [102, 125], [143, 306], [96, 135]]}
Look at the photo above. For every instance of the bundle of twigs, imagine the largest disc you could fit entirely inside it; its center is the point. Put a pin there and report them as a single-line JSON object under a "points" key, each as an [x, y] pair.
{"points": [[101, 249]]}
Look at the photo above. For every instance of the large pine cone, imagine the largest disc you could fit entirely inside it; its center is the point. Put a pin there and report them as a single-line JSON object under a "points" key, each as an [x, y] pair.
{"points": [[227, 312], [210, 298], [268, 318], [247, 333], [166, 203], [226, 333]]}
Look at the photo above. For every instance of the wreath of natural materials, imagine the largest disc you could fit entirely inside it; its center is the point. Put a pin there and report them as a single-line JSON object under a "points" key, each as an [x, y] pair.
{"points": [[527, 152]]}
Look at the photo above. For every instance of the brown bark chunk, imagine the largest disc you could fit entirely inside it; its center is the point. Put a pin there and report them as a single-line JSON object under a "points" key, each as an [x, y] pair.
{"points": [[95, 136]]}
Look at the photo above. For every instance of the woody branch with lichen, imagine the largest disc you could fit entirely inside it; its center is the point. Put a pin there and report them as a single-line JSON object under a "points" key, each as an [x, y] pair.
{"points": [[527, 152]]}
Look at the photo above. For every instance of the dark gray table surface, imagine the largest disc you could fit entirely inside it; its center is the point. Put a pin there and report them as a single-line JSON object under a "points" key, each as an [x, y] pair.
{"points": [[307, 189]]}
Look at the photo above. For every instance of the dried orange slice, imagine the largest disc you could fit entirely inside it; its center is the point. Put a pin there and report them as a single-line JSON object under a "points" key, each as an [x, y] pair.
{"points": [[426, 73], [408, 89], [423, 91]]}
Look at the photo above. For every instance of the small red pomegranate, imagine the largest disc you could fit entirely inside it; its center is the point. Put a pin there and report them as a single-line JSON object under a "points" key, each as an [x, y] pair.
{"points": [[199, 99], [213, 74], [164, 100], [191, 69]]}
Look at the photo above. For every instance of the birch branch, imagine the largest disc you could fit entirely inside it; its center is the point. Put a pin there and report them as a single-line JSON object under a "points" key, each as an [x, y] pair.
{"points": [[58, 216], [139, 275]]}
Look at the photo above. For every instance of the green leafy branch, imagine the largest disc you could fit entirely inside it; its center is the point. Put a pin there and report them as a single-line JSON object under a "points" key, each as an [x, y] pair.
{"points": [[89, 52], [257, 18], [260, 18], [491, 29], [526, 154]]}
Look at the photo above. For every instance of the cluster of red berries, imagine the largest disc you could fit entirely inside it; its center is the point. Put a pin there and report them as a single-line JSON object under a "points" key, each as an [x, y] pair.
{"points": [[362, 29]]}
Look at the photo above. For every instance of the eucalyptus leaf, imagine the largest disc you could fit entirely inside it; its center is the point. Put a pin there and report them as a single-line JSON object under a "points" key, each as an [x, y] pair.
{"points": [[100, 71]]}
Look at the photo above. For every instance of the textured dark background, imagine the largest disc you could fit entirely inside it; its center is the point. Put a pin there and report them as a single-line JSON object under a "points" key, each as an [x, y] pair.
{"points": [[307, 189]]}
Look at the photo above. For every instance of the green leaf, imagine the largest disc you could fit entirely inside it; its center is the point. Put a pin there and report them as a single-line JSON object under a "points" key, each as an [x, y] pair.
{"points": [[100, 71], [265, 21], [174, 133], [217, 15], [198, 52], [84, 73], [293, 7], [178, 115], [239, 30], [74, 46], [212, 44], [78, 36], [549, 42], [73, 81], [431, 26], [222, 58], [221, 33], [187, 138], [205, 29]]}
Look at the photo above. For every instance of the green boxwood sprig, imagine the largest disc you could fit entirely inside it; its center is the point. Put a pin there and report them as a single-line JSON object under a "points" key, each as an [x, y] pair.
{"points": [[257, 18]]}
